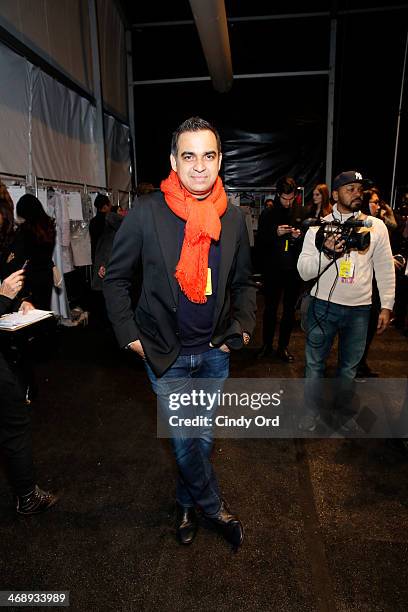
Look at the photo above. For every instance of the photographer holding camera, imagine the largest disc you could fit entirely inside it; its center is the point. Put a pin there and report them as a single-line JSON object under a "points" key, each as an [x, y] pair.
{"points": [[341, 256]]}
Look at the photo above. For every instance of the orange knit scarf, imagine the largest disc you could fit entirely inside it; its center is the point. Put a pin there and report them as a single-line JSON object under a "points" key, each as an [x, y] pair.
{"points": [[202, 225]]}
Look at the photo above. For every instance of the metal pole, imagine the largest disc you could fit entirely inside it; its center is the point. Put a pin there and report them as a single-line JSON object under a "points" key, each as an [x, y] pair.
{"points": [[32, 69], [392, 194], [96, 68], [330, 101], [131, 105], [255, 75]]}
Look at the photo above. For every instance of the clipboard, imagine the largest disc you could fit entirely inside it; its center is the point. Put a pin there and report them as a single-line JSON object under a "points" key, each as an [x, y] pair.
{"points": [[17, 320]]}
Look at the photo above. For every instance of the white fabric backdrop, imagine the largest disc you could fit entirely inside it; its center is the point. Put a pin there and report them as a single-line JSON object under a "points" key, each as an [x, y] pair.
{"points": [[112, 48], [58, 30], [117, 153], [14, 106], [48, 130], [63, 128]]}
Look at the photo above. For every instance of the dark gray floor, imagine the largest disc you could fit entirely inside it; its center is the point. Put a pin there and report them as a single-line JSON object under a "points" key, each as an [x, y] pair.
{"points": [[326, 520]]}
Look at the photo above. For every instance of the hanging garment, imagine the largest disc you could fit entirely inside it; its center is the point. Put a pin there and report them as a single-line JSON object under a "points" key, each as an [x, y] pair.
{"points": [[81, 243], [57, 206]]}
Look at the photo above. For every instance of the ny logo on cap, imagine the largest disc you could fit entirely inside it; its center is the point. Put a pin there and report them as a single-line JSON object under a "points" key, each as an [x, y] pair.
{"points": [[359, 177]]}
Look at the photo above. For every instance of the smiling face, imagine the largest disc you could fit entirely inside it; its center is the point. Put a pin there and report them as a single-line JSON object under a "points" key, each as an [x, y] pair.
{"points": [[197, 162]]}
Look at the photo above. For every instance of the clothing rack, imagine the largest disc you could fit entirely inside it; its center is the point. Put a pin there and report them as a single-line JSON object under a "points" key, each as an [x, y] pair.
{"points": [[42, 181], [13, 177], [34, 184]]}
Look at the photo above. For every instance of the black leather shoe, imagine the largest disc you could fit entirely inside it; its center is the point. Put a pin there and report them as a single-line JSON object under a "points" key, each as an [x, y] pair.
{"points": [[285, 355], [186, 524], [266, 351], [229, 525], [364, 371], [35, 502]]}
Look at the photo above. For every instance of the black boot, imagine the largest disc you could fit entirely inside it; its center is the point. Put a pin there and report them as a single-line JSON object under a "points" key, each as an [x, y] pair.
{"points": [[35, 502], [229, 525], [284, 355], [364, 371], [186, 524], [265, 351]]}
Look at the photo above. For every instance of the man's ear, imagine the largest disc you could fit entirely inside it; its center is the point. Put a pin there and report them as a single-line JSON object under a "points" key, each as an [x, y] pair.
{"points": [[335, 195], [173, 163], [219, 161]]}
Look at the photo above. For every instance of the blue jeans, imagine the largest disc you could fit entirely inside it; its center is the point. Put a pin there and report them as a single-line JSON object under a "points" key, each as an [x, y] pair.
{"points": [[197, 483], [324, 321]]}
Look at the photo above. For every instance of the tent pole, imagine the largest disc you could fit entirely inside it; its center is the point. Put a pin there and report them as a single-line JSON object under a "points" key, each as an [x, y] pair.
{"points": [[330, 101], [131, 106], [393, 193], [96, 67]]}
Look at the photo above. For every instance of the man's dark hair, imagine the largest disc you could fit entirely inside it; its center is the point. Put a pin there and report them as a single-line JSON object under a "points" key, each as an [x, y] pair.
{"points": [[286, 185], [101, 200], [193, 124]]}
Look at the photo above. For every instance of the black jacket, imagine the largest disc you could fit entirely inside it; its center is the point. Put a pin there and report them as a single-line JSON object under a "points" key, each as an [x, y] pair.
{"points": [[38, 279], [278, 254], [149, 233], [104, 247], [96, 227], [5, 304]]}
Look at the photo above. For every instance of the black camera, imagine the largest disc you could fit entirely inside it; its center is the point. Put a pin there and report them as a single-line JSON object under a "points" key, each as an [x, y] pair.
{"points": [[347, 231]]}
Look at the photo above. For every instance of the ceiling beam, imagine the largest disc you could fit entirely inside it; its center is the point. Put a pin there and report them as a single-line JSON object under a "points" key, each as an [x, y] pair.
{"points": [[278, 16], [211, 22]]}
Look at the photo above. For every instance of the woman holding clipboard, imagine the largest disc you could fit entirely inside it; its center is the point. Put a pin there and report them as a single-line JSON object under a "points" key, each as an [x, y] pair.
{"points": [[15, 424]]}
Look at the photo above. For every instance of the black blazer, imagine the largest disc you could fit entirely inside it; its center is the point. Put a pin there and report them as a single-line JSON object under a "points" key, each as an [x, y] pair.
{"points": [[273, 258], [149, 235], [38, 280]]}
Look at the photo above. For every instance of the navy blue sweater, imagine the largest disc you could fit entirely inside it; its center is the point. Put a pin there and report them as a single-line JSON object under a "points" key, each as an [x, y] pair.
{"points": [[196, 321]]}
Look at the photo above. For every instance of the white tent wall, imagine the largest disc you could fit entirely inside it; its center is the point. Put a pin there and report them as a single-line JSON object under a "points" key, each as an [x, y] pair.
{"points": [[112, 49], [63, 128], [47, 129], [57, 30], [117, 154], [14, 112]]}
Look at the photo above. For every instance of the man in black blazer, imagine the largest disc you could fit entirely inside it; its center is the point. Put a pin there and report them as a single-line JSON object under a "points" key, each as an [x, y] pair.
{"points": [[196, 303]]}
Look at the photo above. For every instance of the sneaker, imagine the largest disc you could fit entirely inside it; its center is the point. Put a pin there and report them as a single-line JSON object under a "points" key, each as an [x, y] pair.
{"points": [[35, 502]]}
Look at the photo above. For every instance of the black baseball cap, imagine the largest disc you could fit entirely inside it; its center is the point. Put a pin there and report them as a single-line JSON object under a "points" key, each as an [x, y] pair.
{"points": [[345, 178]]}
